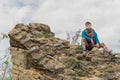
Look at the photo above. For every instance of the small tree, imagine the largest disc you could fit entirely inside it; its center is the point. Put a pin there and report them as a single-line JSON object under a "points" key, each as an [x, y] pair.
{"points": [[4, 62], [75, 38], [68, 37]]}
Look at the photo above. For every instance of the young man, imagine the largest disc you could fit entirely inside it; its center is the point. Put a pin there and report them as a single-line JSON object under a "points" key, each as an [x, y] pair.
{"points": [[90, 40]]}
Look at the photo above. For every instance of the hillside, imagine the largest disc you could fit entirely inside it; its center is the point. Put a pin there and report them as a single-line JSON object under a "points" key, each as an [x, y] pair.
{"points": [[38, 55]]}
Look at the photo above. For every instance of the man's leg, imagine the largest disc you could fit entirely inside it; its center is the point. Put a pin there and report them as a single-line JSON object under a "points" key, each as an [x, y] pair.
{"points": [[84, 44], [106, 48]]}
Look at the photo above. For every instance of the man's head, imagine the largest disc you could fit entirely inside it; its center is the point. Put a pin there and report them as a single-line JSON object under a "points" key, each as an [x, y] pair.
{"points": [[88, 25]]}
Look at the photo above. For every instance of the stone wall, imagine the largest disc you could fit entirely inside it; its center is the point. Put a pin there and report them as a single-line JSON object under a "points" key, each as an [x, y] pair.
{"points": [[37, 54]]}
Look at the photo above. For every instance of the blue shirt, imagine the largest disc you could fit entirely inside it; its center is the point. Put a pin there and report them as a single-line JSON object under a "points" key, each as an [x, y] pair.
{"points": [[88, 38]]}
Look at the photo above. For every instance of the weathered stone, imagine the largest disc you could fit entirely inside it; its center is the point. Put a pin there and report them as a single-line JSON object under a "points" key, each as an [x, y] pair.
{"points": [[15, 77], [38, 55], [15, 71]]}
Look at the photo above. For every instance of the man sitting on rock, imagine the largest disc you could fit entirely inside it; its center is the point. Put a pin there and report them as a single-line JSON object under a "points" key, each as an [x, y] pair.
{"points": [[90, 40]]}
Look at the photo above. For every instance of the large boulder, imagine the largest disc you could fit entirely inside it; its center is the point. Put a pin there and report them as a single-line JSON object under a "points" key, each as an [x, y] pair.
{"points": [[34, 47]]}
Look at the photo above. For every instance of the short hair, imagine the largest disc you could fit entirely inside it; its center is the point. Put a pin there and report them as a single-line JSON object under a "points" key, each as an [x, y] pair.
{"points": [[88, 23]]}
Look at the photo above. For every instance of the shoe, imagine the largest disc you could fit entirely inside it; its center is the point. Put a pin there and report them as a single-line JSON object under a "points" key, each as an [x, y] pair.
{"points": [[111, 53], [84, 53]]}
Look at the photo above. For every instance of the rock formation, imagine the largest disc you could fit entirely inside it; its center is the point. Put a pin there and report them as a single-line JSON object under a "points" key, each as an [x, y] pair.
{"points": [[38, 55]]}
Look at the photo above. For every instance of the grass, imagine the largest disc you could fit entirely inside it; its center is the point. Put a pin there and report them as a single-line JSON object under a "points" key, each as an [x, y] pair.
{"points": [[72, 63], [109, 70], [112, 58], [82, 72], [37, 35]]}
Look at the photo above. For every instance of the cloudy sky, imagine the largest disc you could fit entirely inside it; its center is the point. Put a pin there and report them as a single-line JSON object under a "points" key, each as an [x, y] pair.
{"points": [[64, 16]]}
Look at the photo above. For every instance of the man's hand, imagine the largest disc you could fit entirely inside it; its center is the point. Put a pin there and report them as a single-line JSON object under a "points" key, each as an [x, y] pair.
{"points": [[96, 45]]}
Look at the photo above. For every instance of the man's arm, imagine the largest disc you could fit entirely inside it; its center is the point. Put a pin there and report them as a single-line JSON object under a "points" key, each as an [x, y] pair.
{"points": [[92, 42], [96, 38], [85, 36]]}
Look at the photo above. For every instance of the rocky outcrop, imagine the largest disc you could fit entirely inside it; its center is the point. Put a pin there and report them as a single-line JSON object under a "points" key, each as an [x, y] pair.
{"points": [[38, 55]]}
